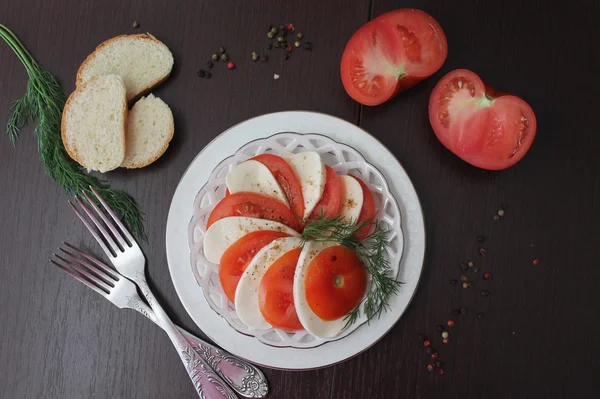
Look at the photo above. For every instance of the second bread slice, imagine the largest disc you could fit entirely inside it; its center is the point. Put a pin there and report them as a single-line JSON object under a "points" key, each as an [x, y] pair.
{"points": [[149, 130], [93, 123]]}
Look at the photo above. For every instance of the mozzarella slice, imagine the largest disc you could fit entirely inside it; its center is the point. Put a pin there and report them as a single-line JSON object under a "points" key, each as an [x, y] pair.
{"points": [[310, 321], [310, 170], [253, 176], [222, 233], [352, 198], [246, 294]]}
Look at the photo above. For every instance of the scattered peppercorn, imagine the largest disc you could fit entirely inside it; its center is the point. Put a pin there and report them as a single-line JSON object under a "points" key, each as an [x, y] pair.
{"points": [[281, 27], [230, 65], [480, 238], [485, 293], [300, 36], [297, 44], [440, 328], [438, 364], [224, 57], [440, 371], [200, 73], [470, 263], [222, 50], [264, 58], [446, 341], [465, 285], [495, 218], [536, 261], [269, 46], [308, 46], [289, 48], [435, 355], [463, 267], [475, 270], [480, 316], [463, 310], [500, 212], [426, 343], [271, 35], [208, 75], [482, 251], [276, 44], [274, 30], [453, 281], [290, 28], [464, 278], [215, 57], [280, 39], [429, 350], [209, 64], [445, 334], [430, 367], [487, 276], [451, 323], [286, 57], [455, 311], [136, 24], [254, 56]]}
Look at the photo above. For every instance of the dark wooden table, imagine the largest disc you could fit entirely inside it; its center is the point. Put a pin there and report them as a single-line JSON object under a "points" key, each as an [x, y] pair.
{"points": [[541, 333]]}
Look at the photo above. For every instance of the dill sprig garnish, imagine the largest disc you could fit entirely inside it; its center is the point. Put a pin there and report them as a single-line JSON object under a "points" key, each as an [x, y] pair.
{"points": [[43, 102], [372, 251]]}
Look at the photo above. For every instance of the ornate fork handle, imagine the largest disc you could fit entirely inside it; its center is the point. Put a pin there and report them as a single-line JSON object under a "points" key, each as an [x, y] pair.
{"points": [[207, 383], [247, 380]]}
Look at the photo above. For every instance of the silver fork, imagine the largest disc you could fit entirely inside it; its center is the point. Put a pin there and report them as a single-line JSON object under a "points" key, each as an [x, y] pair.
{"points": [[127, 257], [244, 378]]}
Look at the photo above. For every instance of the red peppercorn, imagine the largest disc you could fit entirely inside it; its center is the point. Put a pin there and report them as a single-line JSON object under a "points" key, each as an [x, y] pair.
{"points": [[450, 323], [426, 343], [440, 371], [230, 65], [446, 340], [290, 27], [430, 367], [536, 261], [435, 355], [487, 276]]}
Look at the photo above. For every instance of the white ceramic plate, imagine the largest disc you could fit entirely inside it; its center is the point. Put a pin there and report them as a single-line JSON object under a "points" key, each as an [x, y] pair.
{"points": [[182, 210]]}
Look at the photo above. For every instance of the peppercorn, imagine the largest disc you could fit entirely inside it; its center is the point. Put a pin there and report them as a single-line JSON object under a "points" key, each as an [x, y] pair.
{"points": [[438, 364], [455, 311], [430, 367], [297, 44], [475, 270], [487, 276], [429, 350], [446, 341], [536, 261], [230, 65], [299, 35], [485, 293], [271, 35], [209, 64], [281, 27], [445, 334], [500, 212], [465, 285], [435, 355], [264, 58], [289, 48], [495, 218], [286, 57], [482, 251], [215, 57], [463, 310], [308, 46], [480, 316], [464, 278], [276, 44], [136, 24], [470, 263], [453, 281], [208, 75], [440, 371], [463, 267], [224, 57], [200, 73], [422, 337], [269, 46], [290, 28], [254, 56], [426, 343], [480, 238], [281, 39], [451, 323], [274, 30]]}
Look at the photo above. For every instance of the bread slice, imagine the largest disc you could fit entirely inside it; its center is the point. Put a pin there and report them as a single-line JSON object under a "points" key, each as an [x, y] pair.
{"points": [[93, 123], [141, 60], [149, 130]]}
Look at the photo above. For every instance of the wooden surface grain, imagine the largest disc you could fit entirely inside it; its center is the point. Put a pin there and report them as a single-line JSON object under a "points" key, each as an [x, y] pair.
{"points": [[539, 337]]}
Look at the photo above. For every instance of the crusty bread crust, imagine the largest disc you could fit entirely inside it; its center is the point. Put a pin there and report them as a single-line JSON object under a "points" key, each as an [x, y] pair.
{"points": [[159, 154], [63, 124], [140, 36]]}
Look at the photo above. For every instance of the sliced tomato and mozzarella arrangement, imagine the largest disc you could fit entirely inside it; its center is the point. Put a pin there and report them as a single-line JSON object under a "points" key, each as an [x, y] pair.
{"points": [[266, 270]]}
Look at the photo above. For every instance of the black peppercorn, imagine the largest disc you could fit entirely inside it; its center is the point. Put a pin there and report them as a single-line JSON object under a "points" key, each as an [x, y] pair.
{"points": [[453, 281], [200, 73], [308, 46], [208, 75], [480, 316], [485, 293]]}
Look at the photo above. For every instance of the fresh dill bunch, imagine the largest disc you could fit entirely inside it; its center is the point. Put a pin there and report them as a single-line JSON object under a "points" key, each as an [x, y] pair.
{"points": [[372, 251], [43, 102]]}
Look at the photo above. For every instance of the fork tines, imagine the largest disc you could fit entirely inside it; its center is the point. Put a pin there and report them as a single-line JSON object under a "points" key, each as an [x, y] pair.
{"points": [[110, 232], [86, 269]]}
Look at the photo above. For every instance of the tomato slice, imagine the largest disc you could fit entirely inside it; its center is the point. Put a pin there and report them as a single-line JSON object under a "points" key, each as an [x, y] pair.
{"points": [[391, 53], [287, 179], [367, 211], [336, 282], [484, 127], [330, 202], [237, 257], [256, 206], [276, 293]]}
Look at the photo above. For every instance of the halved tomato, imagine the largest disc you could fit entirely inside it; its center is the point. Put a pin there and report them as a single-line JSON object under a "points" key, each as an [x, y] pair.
{"points": [[391, 53], [237, 257], [367, 211], [255, 206], [276, 292], [485, 128], [330, 202], [336, 282], [287, 179]]}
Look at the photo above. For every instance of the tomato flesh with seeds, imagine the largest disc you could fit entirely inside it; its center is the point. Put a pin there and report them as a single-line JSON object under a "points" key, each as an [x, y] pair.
{"points": [[367, 212], [276, 293], [485, 128], [287, 179], [331, 200], [336, 282], [255, 206], [239, 254], [391, 53]]}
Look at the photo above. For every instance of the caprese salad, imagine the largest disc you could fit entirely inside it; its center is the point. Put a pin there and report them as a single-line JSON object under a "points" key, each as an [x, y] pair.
{"points": [[288, 238]]}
